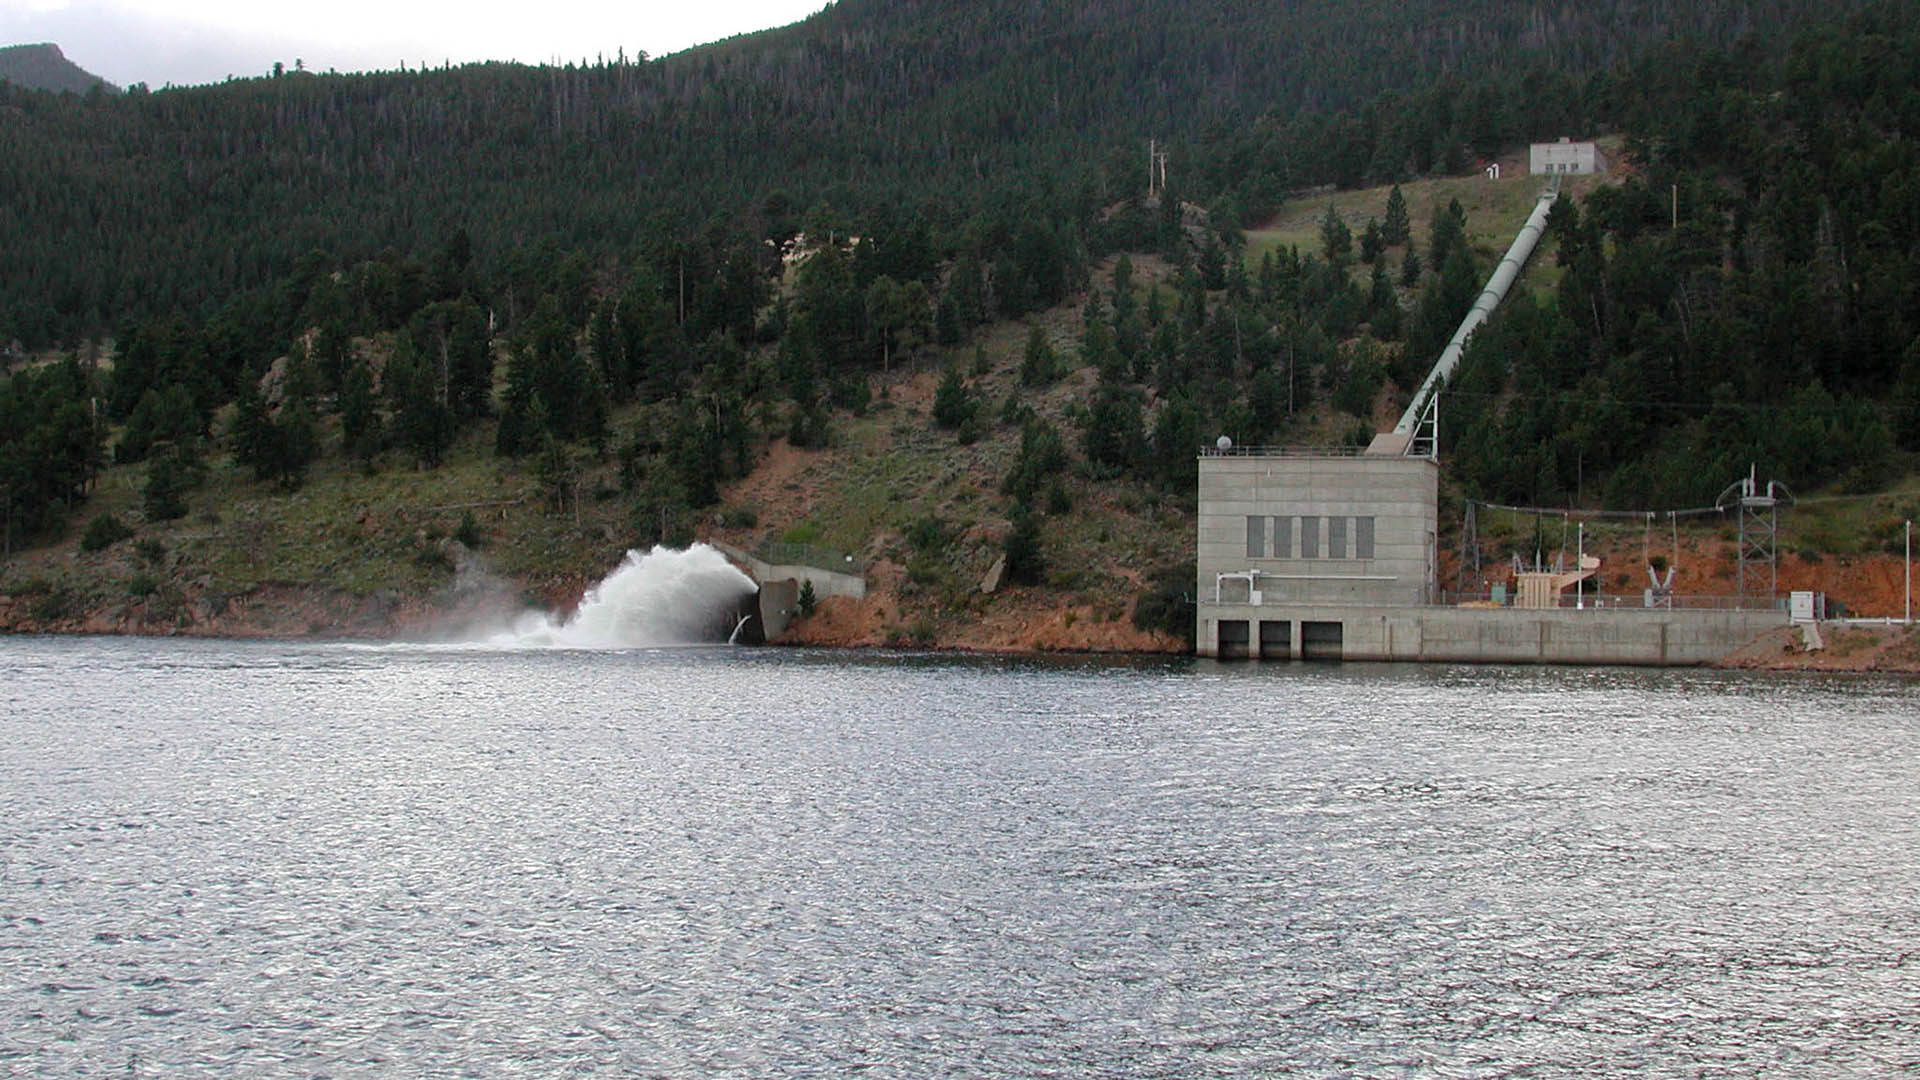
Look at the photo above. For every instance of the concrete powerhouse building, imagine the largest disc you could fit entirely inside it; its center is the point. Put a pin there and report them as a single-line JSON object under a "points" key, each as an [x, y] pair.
{"points": [[1332, 555], [1287, 539]]}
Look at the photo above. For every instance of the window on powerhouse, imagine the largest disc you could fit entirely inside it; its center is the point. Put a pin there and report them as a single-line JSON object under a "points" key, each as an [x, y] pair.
{"points": [[1342, 537]]}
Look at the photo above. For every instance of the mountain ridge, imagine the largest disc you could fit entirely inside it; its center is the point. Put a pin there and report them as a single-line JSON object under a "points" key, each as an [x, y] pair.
{"points": [[42, 66]]}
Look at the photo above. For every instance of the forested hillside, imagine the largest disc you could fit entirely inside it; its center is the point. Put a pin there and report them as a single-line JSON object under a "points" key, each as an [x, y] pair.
{"points": [[179, 199], [630, 277], [1751, 294]]}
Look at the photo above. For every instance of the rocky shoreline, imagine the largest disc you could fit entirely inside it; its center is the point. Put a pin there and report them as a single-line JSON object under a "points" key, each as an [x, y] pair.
{"points": [[1037, 626]]}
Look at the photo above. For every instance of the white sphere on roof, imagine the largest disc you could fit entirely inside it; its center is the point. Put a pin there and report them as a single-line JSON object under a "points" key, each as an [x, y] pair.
{"points": [[1223, 443]]}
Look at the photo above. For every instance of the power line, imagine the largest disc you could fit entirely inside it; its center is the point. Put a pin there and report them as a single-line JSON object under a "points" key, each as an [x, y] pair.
{"points": [[1571, 512], [1575, 399]]}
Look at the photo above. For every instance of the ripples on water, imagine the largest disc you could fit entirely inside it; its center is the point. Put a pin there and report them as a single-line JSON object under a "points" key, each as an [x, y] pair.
{"points": [[273, 860]]}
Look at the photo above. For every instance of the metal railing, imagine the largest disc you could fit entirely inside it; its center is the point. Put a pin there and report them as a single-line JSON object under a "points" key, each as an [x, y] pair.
{"points": [[1593, 602], [1284, 451], [1626, 601]]}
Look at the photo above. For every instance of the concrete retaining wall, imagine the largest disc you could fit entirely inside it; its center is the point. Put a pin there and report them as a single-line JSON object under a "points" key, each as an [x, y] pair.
{"points": [[780, 586], [1493, 635]]}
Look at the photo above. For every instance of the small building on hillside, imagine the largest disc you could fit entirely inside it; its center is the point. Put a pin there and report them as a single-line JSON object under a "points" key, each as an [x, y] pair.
{"points": [[1565, 158]]}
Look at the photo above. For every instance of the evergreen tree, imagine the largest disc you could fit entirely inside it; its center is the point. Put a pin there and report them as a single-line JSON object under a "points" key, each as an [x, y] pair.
{"points": [[1266, 408], [1336, 239], [1449, 233], [1212, 265], [422, 422], [164, 415], [360, 428], [1371, 242], [252, 428], [172, 472], [558, 474], [1042, 456], [1112, 435], [1383, 305], [1025, 563], [693, 451], [296, 442], [50, 447], [1396, 229], [1124, 303], [332, 352], [953, 403], [1410, 269], [1445, 302], [452, 337], [1176, 444], [1039, 366]]}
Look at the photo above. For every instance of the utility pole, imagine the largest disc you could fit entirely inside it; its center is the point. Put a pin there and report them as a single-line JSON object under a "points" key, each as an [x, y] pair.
{"points": [[1909, 562], [1580, 563]]}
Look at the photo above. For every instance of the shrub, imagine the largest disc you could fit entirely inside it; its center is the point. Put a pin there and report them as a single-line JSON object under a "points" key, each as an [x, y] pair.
{"points": [[433, 559], [46, 601], [103, 532], [469, 532], [1167, 604], [929, 534], [1025, 564], [804, 533]]}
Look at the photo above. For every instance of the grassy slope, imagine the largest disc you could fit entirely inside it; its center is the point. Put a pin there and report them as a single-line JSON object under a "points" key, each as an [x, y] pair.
{"points": [[893, 470]]}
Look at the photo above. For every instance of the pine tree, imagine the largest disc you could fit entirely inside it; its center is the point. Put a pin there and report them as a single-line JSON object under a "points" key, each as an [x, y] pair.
{"points": [[360, 429], [252, 428], [1396, 229], [953, 404], [1176, 445], [1336, 240], [1371, 242], [1039, 366], [1025, 563], [1112, 436], [422, 422], [1448, 235], [172, 472]]}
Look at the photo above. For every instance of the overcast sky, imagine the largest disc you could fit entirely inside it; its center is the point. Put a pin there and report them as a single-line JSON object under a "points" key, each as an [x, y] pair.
{"points": [[198, 41]]}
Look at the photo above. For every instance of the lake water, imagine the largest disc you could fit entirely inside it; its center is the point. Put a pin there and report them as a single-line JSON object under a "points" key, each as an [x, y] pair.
{"points": [[280, 860]]}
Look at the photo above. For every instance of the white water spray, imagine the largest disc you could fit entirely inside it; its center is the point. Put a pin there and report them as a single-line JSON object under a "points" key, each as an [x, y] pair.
{"points": [[662, 597]]}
